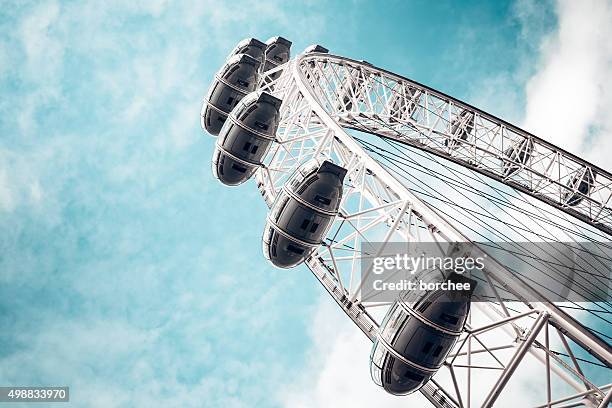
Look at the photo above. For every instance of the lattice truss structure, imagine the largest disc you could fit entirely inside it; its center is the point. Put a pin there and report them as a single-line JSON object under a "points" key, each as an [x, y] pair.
{"points": [[325, 99]]}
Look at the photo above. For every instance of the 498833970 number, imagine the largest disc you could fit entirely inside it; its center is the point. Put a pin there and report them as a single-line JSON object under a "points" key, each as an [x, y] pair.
{"points": [[34, 394]]}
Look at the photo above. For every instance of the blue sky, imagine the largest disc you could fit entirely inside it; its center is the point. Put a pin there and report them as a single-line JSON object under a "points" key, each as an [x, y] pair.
{"points": [[126, 270]]}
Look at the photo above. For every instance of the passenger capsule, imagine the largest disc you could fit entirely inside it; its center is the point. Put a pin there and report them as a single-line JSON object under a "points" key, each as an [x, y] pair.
{"points": [[316, 48], [403, 107], [311, 64], [580, 185], [235, 79], [250, 46], [277, 53], [417, 335], [517, 156], [245, 138], [460, 128], [302, 213], [350, 88]]}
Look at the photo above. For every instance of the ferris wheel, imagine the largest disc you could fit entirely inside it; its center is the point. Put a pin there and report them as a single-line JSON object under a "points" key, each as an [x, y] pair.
{"points": [[346, 154]]}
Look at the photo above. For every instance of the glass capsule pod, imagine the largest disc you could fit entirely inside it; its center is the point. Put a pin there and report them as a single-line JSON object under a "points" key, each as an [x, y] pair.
{"points": [[302, 213], [245, 138], [250, 46], [277, 53], [314, 78], [518, 155], [350, 88], [235, 79], [580, 186], [460, 128], [316, 48], [403, 107], [416, 336]]}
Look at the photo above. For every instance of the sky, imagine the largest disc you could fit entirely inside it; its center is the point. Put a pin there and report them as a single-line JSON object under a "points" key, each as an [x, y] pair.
{"points": [[128, 273]]}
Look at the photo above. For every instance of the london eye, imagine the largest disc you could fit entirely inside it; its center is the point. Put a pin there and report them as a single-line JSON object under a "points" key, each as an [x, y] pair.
{"points": [[346, 154]]}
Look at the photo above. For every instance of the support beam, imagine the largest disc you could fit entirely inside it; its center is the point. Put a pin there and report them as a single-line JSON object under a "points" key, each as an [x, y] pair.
{"points": [[516, 359]]}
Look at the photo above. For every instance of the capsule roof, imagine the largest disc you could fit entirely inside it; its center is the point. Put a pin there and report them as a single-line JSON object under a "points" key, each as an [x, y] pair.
{"points": [[316, 48], [278, 40], [250, 46], [329, 167], [245, 138], [302, 213], [236, 78]]}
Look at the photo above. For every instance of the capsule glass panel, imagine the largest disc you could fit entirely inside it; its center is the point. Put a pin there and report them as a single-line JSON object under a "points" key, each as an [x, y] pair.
{"points": [[246, 136], [277, 53], [518, 155], [250, 46], [422, 337], [583, 183], [302, 213], [235, 79], [461, 127]]}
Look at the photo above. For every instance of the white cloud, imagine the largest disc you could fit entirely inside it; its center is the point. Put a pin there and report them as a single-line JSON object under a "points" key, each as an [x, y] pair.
{"points": [[7, 198], [19, 184], [570, 97], [44, 52], [339, 374]]}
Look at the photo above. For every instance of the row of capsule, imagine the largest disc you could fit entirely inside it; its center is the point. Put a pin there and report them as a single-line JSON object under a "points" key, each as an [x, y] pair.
{"points": [[413, 342], [578, 186], [245, 121], [239, 76], [416, 335]]}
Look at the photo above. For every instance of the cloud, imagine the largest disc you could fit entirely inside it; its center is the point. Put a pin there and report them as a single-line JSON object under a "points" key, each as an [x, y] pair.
{"points": [[7, 200], [569, 98], [43, 50], [338, 374], [114, 266]]}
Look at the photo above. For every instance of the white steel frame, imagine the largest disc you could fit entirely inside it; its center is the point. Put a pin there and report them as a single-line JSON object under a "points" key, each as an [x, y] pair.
{"points": [[323, 96]]}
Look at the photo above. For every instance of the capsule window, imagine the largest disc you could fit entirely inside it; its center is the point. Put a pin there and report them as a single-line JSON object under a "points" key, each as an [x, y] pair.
{"points": [[239, 168], [437, 351], [221, 166], [261, 125], [424, 306], [294, 249], [230, 71], [390, 362], [322, 200], [411, 375], [273, 245], [584, 187], [449, 318], [307, 183], [249, 111]]}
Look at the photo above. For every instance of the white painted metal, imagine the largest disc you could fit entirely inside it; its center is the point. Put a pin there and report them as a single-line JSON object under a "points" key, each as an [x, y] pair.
{"points": [[324, 96]]}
